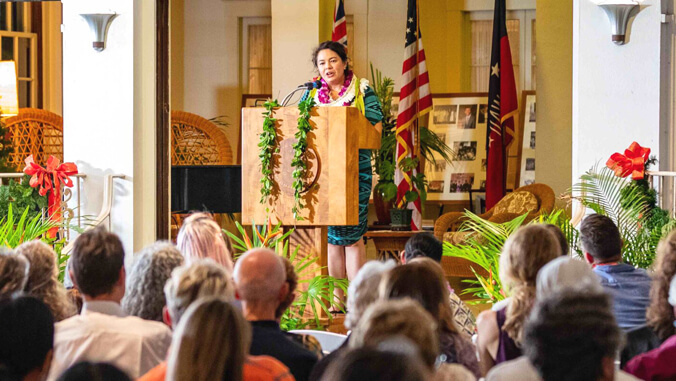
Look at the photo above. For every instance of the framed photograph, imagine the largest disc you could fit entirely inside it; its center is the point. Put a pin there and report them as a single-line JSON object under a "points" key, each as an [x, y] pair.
{"points": [[460, 119], [457, 119], [254, 100], [527, 142]]}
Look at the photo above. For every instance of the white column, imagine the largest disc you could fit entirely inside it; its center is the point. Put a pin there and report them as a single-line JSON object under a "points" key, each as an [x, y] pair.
{"points": [[109, 112], [295, 32], [616, 89]]}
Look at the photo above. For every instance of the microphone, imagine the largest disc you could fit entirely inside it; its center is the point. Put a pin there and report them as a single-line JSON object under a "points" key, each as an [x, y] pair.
{"points": [[313, 85], [306, 86]]}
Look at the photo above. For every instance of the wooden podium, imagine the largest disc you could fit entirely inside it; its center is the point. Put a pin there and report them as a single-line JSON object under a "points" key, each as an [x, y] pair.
{"points": [[331, 194]]}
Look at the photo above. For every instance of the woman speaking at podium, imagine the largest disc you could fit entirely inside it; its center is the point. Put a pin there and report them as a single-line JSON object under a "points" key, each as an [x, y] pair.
{"points": [[341, 87]]}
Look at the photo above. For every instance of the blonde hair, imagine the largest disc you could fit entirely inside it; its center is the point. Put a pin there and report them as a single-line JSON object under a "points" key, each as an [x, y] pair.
{"points": [[523, 255], [400, 317], [210, 343], [660, 313], [201, 237], [43, 279], [203, 278]]}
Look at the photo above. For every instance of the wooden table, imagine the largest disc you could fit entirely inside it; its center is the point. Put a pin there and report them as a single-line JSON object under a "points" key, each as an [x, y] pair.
{"points": [[390, 243]]}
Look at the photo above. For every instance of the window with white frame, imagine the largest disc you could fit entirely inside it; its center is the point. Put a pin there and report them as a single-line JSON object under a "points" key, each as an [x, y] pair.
{"points": [[19, 45], [521, 34]]}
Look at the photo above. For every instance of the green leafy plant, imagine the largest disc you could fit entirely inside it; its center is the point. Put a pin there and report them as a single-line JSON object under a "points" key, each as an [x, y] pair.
{"points": [[299, 161], [432, 147], [14, 232], [383, 158], [632, 206], [314, 292], [22, 196], [418, 180], [267, 144], [484, 244]]}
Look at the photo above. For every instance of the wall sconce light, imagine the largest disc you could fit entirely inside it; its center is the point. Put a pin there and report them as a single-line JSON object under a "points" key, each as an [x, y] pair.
{"points": [[619, 12], [99, 24]]}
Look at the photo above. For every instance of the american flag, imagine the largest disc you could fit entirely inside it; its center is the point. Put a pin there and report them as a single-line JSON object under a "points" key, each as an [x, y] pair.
{"points": [[502, 108], [339, 24], [414, 100]]}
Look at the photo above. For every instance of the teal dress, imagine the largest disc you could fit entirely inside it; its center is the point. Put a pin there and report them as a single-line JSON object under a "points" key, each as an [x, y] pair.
{"points": [[348, 235]]}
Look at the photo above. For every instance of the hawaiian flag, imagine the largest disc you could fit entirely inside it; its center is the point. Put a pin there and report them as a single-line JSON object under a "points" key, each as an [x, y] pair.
{"points": [[339, 24], [502, 108], [415, 100]]}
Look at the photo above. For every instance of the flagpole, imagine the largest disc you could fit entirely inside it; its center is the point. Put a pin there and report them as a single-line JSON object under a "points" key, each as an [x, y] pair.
{"points": [[415, 127]]}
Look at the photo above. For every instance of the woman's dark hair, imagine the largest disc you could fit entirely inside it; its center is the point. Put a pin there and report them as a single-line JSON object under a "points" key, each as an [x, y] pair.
{"points": [[559, 237], [334, 46], [367, 364], [26, 334], [423, 245], [93, 371], [569, 333]]}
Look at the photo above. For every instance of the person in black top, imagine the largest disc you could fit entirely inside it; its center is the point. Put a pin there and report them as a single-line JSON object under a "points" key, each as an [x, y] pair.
{"points": [[260, 280]]}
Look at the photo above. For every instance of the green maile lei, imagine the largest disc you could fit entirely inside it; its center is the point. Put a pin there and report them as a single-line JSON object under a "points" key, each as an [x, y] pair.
{"points": [[299, 162], [267, 144]]}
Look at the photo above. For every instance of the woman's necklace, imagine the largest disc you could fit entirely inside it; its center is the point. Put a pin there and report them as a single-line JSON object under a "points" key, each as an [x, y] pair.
{"points": [[324, 93]]}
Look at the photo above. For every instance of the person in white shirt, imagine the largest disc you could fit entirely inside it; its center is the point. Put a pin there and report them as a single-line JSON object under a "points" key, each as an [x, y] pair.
{"points": [[103, 332]]}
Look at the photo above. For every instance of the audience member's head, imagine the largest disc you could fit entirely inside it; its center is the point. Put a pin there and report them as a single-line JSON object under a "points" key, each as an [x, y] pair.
{"points": [[203, 278], [600, 238], [97, 265], [423, 281], [422, 245], [572, 335], [363, 290], [402, 317], [13, 271], [145, 296], [43, 279], [523, 255], [292, 281], [93, 371], [563, 242], [565, 272], [26, 338], [370, 364], [660, 314], [260, 279], [201, 237], [210, 343]]}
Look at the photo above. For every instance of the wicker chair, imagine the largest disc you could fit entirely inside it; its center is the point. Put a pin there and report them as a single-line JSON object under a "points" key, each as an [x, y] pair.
{"points": [[446, 226], [35, 132], [197, 141]]}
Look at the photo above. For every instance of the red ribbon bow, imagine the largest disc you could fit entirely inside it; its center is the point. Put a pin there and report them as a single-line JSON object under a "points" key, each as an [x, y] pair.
{"points": [[632, 162], [50, 179]]}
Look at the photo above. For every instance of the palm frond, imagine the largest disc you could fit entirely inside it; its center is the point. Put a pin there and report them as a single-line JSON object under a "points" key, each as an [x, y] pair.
{"points": [[431, 143]]}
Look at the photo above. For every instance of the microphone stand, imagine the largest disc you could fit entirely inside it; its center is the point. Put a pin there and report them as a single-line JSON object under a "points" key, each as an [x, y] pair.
{"points": [[288, 97]]}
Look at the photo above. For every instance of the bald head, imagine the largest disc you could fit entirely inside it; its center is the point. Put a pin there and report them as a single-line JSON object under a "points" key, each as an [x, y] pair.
{"points": [[260, 276]]}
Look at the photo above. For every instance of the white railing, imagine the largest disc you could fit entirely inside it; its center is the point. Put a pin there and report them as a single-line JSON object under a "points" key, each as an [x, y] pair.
{"points": [[72, 213], [666, 189], [106, 207]]}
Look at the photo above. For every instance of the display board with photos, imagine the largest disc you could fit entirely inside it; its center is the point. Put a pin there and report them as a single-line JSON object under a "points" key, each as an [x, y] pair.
{"points": [[527, 139], [460, 121]]}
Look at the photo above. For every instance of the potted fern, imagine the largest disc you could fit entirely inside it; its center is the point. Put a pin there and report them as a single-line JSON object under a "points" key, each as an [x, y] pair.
{"points": [[314, 294], [384, 162]]}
